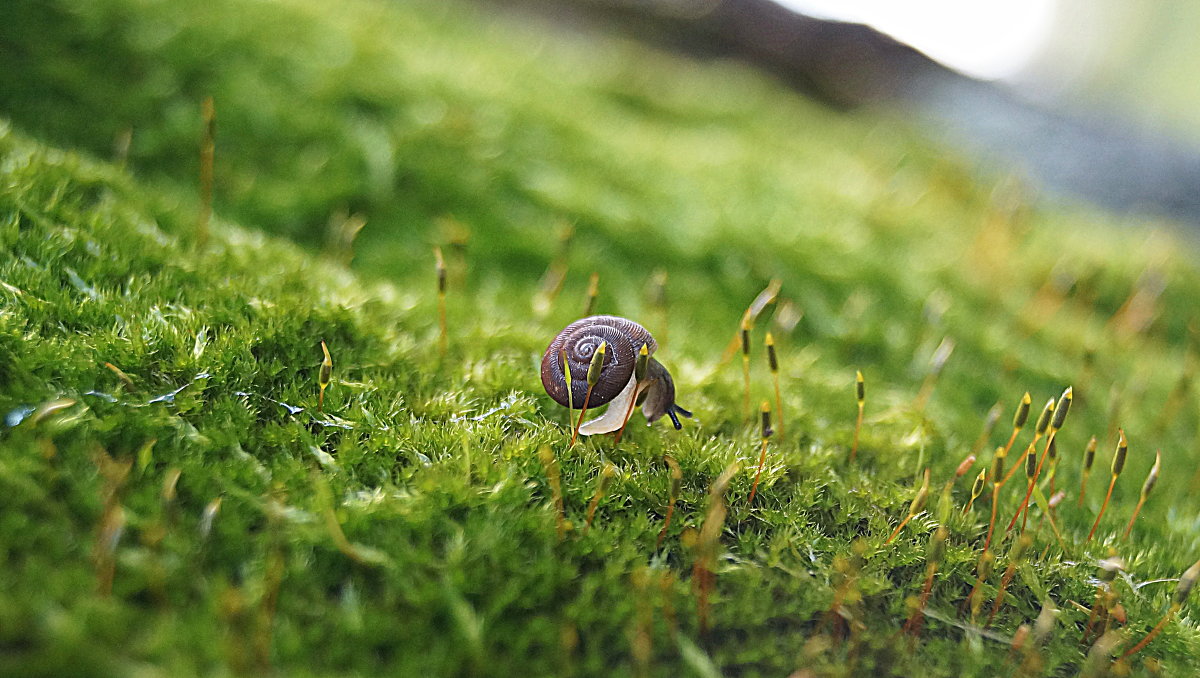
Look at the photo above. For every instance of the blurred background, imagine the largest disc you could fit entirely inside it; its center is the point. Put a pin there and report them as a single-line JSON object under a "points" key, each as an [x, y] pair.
{"points": [[1095, 99]]}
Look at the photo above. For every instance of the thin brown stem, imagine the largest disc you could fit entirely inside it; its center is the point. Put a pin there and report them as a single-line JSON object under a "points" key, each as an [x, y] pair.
{"points": [[762, 459], [705, 579], [1153, 632], [1011, 439], [440, 269], [966, 604], [1004, 582], [1102, 509], [857, 430], [1033, 482], [967, 508], [778, 404], [1137, 509], [601, 486], [592, 292], [666, 525], [591, 513], [898, 528], [913, 625], [552, 473], [1019, 462], [579, 423], [992, 522], [746, 390], [1092, 616], [207, 152], [628, 416], [1049, 518], [1025, 505], [443, 332], [983, 570]]}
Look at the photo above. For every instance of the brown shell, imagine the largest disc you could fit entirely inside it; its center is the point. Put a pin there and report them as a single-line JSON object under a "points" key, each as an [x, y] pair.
{"points": [[580, 340]]}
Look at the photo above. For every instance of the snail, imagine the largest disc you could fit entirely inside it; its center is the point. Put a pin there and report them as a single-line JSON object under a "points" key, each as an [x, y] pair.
{"points": [[617, 386]]}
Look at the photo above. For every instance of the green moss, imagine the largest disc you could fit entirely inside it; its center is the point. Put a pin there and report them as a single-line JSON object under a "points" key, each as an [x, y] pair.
{"points": [[433, 120]]}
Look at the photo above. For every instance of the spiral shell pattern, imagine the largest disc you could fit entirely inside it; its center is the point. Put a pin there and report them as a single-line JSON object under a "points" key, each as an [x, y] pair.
{"points": [[580, 340]]}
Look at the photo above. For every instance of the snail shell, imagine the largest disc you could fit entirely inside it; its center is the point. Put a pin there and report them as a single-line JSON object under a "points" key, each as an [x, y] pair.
{"points": [[617, 384], [580, 340]]}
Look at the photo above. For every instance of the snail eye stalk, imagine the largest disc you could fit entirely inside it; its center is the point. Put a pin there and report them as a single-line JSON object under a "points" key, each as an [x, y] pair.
{"points": [[674, 413]]}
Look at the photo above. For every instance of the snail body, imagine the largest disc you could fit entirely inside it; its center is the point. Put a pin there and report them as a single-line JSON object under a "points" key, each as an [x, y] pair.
{"points": [[617, 385]]}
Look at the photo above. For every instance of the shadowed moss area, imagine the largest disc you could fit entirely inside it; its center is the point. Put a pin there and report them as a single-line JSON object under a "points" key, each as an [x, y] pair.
{"points": [[173, 501]]}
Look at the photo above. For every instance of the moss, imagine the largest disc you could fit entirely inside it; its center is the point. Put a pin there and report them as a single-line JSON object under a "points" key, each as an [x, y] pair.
{"points": [[441, 123]]}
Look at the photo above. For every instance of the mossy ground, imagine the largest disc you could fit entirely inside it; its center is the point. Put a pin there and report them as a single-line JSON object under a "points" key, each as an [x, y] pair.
{"points": [[442, 126]]}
